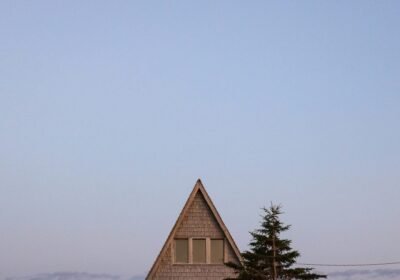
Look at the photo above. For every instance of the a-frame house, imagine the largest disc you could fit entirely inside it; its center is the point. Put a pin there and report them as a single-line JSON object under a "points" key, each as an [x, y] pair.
{"points": [[199, 245]]}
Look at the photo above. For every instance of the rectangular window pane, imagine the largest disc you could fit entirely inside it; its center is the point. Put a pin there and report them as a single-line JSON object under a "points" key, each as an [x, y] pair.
{"points": [[199, 251], [217, 251], [181, 251]]}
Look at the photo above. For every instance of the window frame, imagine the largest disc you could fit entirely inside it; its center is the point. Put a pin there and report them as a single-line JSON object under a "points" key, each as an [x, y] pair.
{"points": [[208, 251]]}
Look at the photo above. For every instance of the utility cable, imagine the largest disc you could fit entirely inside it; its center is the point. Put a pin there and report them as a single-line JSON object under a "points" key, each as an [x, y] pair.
{"points": [[360, 264]]}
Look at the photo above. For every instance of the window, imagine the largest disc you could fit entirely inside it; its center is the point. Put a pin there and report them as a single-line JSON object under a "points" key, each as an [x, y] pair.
{"points": [[217, 251], [199, 251], [181, 251]]}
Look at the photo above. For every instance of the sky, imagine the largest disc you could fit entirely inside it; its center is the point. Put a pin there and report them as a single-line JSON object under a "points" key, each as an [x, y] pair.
{"points": [[111, 110]]}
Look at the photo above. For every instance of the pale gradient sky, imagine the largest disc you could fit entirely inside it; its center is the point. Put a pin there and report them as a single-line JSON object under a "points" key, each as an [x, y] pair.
{"points": [[110, 111]]}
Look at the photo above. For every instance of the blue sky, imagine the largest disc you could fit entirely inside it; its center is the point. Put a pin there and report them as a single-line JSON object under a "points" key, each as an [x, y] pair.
{"points": [[110, 111]]}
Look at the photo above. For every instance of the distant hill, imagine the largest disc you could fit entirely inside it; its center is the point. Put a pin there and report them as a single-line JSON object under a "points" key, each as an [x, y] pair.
{"points": [[354, 274], [74, 276], [138, 277], [364, 274]]}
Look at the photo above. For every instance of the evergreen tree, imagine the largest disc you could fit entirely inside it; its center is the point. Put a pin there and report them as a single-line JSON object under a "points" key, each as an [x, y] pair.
{"points": [[270, 256]]}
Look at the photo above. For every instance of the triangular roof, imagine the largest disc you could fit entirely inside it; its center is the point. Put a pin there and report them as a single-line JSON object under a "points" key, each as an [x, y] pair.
{"points": [[198, 187]]}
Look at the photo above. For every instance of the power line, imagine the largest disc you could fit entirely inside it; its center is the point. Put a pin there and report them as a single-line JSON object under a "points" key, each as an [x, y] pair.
{"points": [[360, 264]]}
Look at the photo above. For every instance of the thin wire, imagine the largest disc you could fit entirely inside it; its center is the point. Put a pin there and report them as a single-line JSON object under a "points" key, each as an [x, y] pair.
{"points": [[360, 264]]}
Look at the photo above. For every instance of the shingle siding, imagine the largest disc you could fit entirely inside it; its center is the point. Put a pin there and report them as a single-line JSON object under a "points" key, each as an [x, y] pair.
{"points": [[198, 221]]}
